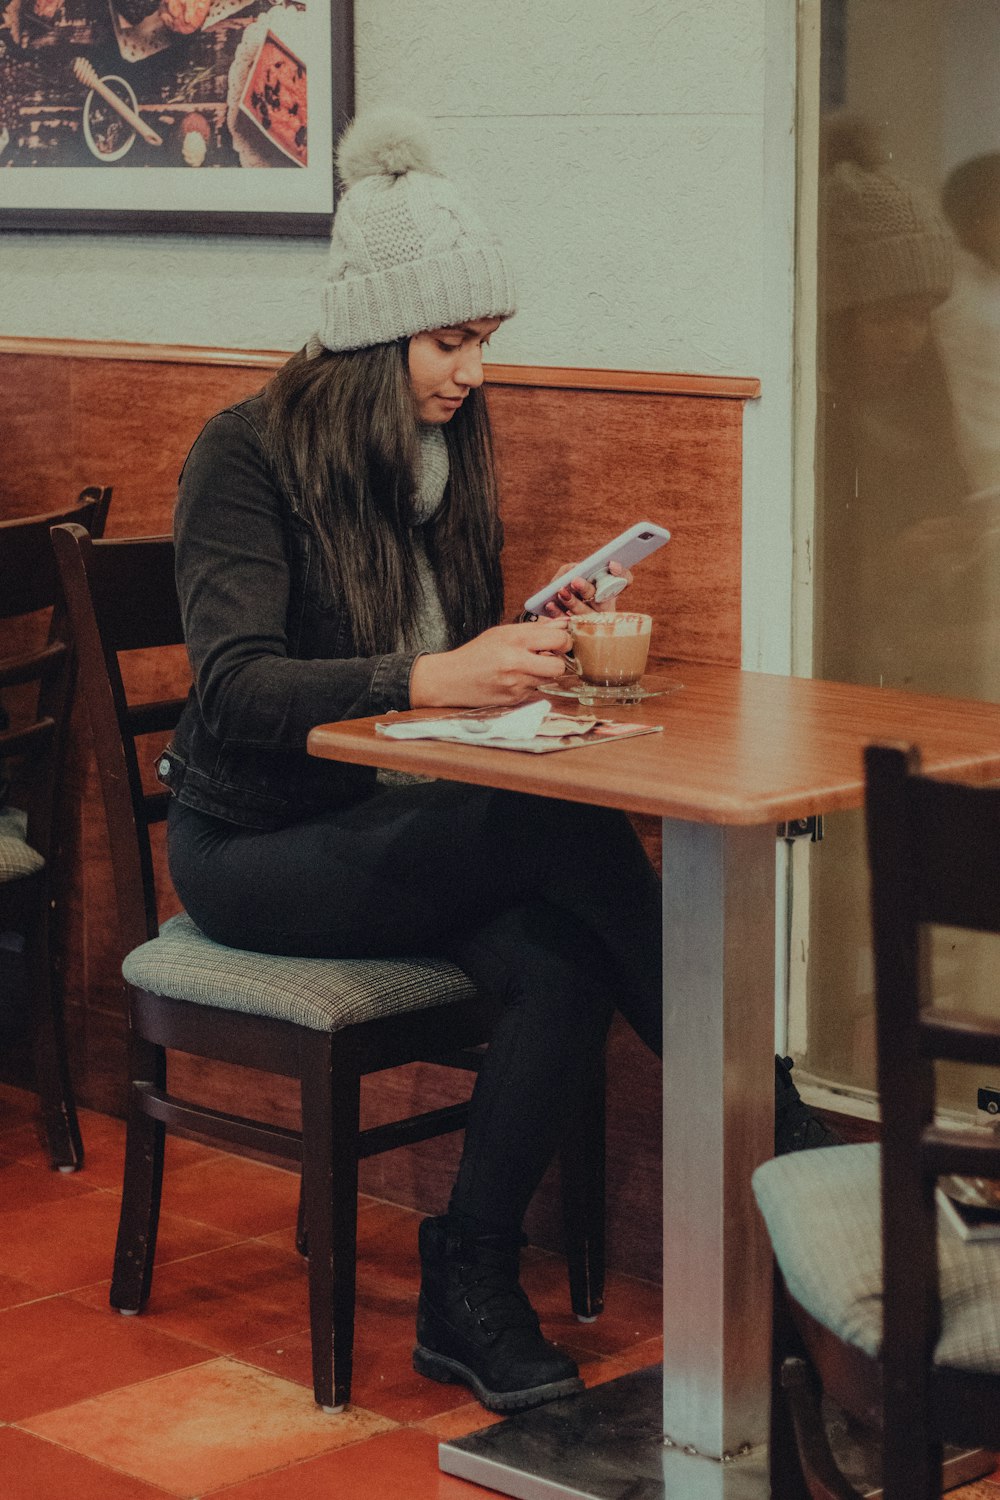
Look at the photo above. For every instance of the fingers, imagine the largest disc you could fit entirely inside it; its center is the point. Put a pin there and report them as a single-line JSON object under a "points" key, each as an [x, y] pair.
{"points": [[577, 598], [543, 671], [548, 667], [543, 634], [583, 596], [541, 649]]}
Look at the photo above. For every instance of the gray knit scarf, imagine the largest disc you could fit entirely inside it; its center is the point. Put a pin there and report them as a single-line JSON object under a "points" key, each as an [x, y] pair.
{"points": [[432, 476], [430, 628]]}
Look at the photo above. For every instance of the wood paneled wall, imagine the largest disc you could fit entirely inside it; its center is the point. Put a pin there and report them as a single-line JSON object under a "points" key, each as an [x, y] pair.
{"points": [[581, 455]]}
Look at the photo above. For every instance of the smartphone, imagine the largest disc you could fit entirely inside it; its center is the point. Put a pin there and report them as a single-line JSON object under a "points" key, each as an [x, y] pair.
{"points": [[628, 549]]}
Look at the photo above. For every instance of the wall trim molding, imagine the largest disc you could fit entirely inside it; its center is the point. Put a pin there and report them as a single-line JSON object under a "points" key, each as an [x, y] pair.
{"points": [[165, 354], [636, 382]]}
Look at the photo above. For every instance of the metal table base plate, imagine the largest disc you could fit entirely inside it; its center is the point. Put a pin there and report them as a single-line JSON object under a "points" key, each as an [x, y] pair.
{"points": [[607, 1444]]}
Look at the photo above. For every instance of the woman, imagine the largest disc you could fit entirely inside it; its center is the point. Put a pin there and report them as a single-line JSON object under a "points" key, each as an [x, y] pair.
{"points": [[338, 555]]}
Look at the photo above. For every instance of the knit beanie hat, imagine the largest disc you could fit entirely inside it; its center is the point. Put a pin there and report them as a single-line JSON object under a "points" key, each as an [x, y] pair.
{"points": [[884, 240], [407, 252]]}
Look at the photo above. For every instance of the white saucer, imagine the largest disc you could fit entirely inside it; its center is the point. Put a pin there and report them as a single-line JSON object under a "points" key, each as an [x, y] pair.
{"points": [[586, 692]]}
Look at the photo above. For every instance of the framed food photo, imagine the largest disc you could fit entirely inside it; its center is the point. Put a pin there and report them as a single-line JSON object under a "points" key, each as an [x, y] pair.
{"points": [[204, 116]]}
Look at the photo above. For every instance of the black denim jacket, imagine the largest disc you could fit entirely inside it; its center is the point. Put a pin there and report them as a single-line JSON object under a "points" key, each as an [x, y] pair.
{"points": [[271, 652]]}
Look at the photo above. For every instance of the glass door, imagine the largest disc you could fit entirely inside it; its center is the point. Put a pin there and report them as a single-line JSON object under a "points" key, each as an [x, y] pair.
{"points": [[906, 544]]}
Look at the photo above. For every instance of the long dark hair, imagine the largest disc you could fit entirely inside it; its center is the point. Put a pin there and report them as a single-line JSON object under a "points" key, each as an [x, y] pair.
{"points": [[344, 439]]}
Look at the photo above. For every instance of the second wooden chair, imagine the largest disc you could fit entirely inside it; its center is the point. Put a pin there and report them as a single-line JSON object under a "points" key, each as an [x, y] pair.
{"points": [[37, 682], [896, 1319]]}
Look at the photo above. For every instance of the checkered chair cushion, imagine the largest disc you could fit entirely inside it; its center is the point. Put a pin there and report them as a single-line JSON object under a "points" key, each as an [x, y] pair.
{"points": [[17, 858], [324, 994], [824, 1215]]}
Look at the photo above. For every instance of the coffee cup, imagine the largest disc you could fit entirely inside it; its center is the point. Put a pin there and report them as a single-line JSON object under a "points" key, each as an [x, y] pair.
{"points": [[610, 650]]}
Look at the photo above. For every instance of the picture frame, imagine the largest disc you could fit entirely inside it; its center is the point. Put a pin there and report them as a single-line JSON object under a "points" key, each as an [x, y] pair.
{"points": [[173, 116]]}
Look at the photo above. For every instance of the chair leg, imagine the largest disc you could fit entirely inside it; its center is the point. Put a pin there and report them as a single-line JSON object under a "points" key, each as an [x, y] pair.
{"points": [[912, 1459], [784, 1459], [581, 1167], [331, 1105], [142, 1185], [823, 1479], [55, 1087]]}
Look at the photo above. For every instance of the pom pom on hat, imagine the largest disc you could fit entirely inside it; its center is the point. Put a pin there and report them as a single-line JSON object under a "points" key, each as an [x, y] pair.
{"points": [[846, 137], [407, 253], [388, 142]]}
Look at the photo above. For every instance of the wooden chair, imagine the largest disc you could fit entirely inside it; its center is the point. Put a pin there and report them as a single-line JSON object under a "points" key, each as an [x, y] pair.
{"points": [[36, 684], [324, 1022], [898, 1321]]}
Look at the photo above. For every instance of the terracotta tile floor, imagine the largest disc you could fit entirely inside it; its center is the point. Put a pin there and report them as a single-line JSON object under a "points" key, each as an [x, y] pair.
{"points": [[208, 1392]]}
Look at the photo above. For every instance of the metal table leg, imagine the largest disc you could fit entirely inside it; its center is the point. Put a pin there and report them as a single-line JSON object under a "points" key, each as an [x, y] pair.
{"points": [[718, 1123]]}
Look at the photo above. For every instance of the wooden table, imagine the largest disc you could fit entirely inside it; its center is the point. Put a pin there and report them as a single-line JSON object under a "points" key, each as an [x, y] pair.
{"points": [[739, 753]]}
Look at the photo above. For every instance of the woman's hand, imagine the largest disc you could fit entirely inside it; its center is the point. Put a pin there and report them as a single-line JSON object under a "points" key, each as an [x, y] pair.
{"points": [[500, 666], [577, 598]]}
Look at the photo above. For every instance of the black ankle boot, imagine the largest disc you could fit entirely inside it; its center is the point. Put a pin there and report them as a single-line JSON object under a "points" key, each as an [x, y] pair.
{"points": [[796, 1127], [476, 1327]]}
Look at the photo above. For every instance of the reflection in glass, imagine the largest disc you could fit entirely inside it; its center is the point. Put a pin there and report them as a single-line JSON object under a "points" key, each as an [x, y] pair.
{"points": [[892, 483], [908, 428]]}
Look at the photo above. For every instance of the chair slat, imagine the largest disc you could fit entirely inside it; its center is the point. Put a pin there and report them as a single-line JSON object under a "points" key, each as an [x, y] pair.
{"points": [[36, 667], [962, 1151], [156, 805], [235, 1129], [33, 740], [425, 1127], [28, 578], [135, 596], [960, 1037], [956, 852], [152, 718]]}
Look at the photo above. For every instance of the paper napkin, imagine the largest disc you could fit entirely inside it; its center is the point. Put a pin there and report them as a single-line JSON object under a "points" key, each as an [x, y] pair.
{"points": [[518, 724], [534, 727]]}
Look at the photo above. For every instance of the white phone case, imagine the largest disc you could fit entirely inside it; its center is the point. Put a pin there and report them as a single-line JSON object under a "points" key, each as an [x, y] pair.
{"points": [[628, 549]]}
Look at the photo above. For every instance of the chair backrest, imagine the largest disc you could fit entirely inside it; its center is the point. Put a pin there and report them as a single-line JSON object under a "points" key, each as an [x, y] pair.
{"points": [[121, 596], [28, 573], [934, 857], [39, 673]]}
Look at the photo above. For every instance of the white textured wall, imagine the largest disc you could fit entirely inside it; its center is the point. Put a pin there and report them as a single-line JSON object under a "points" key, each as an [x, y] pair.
{"points": [[617, 146]]}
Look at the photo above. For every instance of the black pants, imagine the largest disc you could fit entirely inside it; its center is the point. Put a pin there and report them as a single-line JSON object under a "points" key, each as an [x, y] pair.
{"points": [[550, 907]]}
